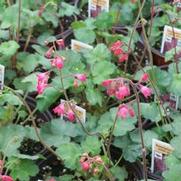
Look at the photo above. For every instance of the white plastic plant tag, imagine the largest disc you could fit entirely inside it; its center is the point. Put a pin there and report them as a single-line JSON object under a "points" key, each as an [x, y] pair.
{"points": [[80, 112], [2, 69], [97, 6], [171, 40], [160, 149], [178, 4], [174, 102], [79, 46]]}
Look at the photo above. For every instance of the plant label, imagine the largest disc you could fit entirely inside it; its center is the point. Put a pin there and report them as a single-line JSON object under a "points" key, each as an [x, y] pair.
{"points": [[97, 6], [178, 4], [171, 40], [174, 102], [160, 149], [79, 111], [79, 46], [1, 77]]}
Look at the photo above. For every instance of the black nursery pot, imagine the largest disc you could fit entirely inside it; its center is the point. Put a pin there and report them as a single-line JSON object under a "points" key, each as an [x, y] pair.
{"points": [[40, 116], [159, 59], [137, 170], [124, 30]]}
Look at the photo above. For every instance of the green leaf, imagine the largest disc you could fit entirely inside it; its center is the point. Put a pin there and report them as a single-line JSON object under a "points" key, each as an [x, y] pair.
{"points": [[91, 145], [122, 126], [23, 169], [99, 53], [148, 136], [175, 142], [10, 99], [99, 73], [10, 17], [104, 21], [29, 82], [10, 139], [49, 96], [175, 86], [93, 94], [67, 10], [119, 173], [174, 169], [150, 111], [8, 48], [85, 35], [58, 131], [70, 153], [27, 62]]}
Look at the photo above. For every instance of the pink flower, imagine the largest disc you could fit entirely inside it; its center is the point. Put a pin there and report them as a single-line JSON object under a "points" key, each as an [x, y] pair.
{"points": [[85, 166], [123, 111], [81, 77], [116, 45], [6, 178], [59, 110], [122, 92], [51, 179], [106, 83], [41, 87], [43, 77], [123, 58], [58, 62], [146, 91], [131, 112], [48, 54], [118, 51], [110, 91], [42, 82], [71, 116], [144, 77]]}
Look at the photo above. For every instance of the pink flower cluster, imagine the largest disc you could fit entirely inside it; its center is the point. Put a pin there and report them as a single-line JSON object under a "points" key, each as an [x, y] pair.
{"points": [[118, 51], [89, 164], [146, 91], [57, 62], [125, 111], [5, 178], [61, 111], [42, 82], [117, 88]]}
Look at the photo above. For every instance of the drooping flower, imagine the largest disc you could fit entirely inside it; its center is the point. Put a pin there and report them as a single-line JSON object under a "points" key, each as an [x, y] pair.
{"points": [[123, 58], [71, 116], [81, 77], [146, 91], [124, 111], [42, 82], [116, 45], [85, 166], [48, 54], [58, 62], [59, 110], [122, 92], [144, 77], [41, 87], [6, 178], [106, 83], [118, 51], [51, 179]]}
